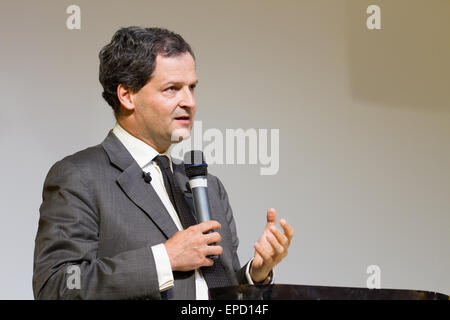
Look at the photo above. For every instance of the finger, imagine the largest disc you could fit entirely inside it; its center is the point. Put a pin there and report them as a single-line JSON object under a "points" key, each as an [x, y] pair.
{"points": [[213, 237], [208, 262], [213, 250], [276, 246], [288, 230], [208, 225], [264, 242], [265, 255], [271, 216], [280, 236]]}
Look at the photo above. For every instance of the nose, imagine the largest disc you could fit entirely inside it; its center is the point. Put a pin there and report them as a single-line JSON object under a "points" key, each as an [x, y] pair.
{"points": [[188, 98]]}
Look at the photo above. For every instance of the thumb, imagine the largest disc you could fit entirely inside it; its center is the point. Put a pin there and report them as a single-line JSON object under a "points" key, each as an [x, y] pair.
{"points": [[271, 217]]}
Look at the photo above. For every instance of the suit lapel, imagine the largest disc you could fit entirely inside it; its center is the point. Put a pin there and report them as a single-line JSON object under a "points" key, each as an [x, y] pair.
{"points": [[133, 185]]}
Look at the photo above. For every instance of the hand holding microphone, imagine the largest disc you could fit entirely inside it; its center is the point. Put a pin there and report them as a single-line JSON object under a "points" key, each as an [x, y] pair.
{"points": [[197, 172], [196, 246]]}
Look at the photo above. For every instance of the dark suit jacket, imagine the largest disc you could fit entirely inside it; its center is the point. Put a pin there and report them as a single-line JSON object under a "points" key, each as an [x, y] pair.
{"points": [[99, 214]]}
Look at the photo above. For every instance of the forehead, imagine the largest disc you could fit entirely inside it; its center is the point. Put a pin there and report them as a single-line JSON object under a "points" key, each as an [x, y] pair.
{"points": [[179, 68]]}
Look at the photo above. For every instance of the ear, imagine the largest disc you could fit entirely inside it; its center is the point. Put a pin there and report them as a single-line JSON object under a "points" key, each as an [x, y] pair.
{"points": [[126, 97]]}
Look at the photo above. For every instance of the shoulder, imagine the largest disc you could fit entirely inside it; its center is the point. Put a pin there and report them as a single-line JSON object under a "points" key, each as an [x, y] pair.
{"points": [[84, 163]]}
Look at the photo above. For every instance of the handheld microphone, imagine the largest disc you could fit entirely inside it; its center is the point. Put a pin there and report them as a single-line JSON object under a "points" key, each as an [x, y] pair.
{"points": [[197, 172]]}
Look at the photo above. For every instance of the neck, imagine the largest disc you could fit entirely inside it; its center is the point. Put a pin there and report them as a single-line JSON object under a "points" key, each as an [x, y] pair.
{"points": [[161, 148]]}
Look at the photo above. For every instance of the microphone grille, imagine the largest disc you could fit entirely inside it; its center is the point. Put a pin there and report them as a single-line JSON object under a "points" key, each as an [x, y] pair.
{"points": [[194, 164]]}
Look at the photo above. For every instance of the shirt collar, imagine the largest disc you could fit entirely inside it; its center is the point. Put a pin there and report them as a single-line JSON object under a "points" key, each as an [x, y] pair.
{"points": [[141, 152]]}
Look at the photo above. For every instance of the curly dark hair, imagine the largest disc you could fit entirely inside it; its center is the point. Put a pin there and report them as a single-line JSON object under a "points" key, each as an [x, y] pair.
{"points": [[130, 58]]}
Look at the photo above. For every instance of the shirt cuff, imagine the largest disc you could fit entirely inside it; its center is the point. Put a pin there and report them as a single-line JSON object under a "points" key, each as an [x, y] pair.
{"points": [[163, 267], [268, 280]]}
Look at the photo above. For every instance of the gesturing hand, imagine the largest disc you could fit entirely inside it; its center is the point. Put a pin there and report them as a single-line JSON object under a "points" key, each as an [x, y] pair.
{"points": [[271, 248], [188, 249]]}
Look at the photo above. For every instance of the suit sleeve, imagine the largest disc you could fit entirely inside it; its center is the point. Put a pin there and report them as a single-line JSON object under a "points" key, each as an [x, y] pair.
{"points": [[66, 265]]}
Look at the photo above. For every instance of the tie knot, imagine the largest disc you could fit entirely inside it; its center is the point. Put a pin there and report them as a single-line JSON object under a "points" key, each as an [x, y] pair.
{"points": [[162, 161]]}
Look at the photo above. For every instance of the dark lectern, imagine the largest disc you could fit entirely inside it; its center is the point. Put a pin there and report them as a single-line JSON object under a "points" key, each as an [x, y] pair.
{"points": [[299, 292]]}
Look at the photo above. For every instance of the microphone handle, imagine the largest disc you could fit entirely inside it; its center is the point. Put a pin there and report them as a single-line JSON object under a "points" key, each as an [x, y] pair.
{"points": [[201, 202]]}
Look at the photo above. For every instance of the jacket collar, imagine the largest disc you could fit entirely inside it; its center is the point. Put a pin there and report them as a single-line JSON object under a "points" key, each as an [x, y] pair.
{"points": [[138, 191], [117, 153]]}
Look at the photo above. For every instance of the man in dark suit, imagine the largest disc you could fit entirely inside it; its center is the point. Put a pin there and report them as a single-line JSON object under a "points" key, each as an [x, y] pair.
{"points": [[117, 221]]}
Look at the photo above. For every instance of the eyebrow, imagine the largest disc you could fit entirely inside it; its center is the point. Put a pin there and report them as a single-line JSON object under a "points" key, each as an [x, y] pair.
{"points": [[179, 83]]}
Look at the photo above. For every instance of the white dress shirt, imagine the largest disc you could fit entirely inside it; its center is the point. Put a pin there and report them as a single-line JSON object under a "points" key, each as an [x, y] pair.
{"points": [[144, 154]]}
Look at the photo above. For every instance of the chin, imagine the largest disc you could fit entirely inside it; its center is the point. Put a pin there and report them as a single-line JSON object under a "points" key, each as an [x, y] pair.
{"points": [[180, 134]]}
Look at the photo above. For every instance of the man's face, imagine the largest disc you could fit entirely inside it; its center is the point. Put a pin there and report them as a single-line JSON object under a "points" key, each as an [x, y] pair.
{"points": [[165, 106]]}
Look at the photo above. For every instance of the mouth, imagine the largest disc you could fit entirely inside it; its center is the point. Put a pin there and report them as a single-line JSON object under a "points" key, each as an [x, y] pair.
{"points": [[184, 119]]}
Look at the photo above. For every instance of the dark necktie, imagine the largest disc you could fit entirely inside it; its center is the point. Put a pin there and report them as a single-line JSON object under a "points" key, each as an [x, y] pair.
{"points": [[215, 276]]}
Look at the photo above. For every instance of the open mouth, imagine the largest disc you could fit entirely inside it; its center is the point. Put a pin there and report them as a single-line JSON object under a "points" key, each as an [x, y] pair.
{"points": [[183, 118]]}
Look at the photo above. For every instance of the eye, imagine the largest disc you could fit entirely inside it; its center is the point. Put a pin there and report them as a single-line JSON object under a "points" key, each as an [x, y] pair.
{"points": [[192, 87], [171, 88]]}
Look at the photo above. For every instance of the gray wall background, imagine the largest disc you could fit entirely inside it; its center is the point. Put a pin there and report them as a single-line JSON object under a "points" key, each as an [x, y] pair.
{"points": [[364, 119]]}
